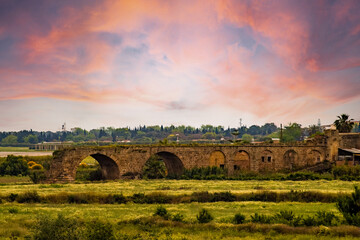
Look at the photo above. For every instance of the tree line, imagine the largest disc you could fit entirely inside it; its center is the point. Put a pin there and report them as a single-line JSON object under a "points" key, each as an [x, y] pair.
{"points": [[153, 134]]}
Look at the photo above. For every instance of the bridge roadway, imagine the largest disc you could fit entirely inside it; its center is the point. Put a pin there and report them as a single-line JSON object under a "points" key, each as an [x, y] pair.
{"points": [[115, 161]]}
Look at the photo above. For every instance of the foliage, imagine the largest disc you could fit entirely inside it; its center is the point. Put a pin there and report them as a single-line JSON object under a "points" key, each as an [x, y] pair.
{"points": [[204, 216], [348, 173], [162, 212], [205, 173], [349, 206], [37, 176], [14, 165], [98, 229], [343, 124], [287, 217], [291, 133], [326, 218], [247, 138], [260, 218], [9, 140], [178, 217], [60, 228], [239, 218], [154, 168], [28, 197]]}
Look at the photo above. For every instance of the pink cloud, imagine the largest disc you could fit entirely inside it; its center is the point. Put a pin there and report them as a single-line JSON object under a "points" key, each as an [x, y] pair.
{"points": [[191, 53]]}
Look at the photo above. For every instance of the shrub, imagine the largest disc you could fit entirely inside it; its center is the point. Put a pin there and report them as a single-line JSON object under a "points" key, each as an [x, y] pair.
{"points": [[349, 206], [309, 221], [61, 227], [29, 197], [37, 176], [288, 217], [14, 165], [12, 197], [326, 218], [139, 198], [239, 218], [178, 217], [119, 198], [96, 229], [162, 212], [260, 218], [204, 216], [154, 168]]}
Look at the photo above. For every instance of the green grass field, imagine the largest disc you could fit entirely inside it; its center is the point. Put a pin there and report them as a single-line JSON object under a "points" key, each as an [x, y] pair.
{"points": [[16, 218], [222, 212]]}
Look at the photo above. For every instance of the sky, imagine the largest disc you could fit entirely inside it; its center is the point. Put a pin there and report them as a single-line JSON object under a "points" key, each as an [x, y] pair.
{"points": [[183, 62]]}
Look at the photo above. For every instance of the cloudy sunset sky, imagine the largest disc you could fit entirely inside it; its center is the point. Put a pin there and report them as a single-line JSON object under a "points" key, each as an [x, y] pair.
{"points": [[127, 62]]}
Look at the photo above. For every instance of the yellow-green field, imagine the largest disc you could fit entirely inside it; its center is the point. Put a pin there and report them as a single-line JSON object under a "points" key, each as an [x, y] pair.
{"points": [[16, 218], [176, 187]]}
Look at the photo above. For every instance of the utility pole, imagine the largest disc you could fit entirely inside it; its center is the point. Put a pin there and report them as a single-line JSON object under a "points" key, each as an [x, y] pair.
{"points": [[281, 132]]}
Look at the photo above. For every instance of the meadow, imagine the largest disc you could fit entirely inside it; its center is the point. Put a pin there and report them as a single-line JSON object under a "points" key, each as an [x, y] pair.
{"points": [[136, 221], [176, 187]]}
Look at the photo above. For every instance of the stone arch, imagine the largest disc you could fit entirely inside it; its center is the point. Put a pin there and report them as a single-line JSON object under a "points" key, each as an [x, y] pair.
{"points": [[314, 156], [241, 161], [290, 159], [217, 159], [109, 167], [173, 163], [267, 161]]}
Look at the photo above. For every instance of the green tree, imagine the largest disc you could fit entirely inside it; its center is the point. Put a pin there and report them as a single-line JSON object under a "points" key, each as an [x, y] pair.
{"points": [[343, 124], [209, 135], [33, 139], [154, 168], [292, 132], [9, 140], [247, 138], [14, 165]]}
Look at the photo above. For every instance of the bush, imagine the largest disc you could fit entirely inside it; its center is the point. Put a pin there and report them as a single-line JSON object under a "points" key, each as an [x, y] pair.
{"points": [[60, 228], [178, 217], [154, 168], [288, 217], [14, 166], [162, 212], [204, 216], [29, 197], [239, 218], [309, 221], [260, 218], [12, 197], [37, 176], [326, 218], [119, 198], [97, 229], [349, 206]]}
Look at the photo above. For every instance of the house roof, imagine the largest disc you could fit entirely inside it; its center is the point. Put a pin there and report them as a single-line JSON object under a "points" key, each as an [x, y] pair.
{"points": [[351, 150]]}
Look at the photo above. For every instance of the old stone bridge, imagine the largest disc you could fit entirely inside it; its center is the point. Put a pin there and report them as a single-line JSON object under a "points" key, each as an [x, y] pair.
{"points": [[119, 160]]}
